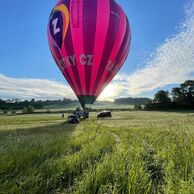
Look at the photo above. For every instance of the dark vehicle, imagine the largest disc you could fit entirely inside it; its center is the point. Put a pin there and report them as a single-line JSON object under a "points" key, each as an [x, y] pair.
{"points": [[73, 119], [83, 114], [104, 114]]}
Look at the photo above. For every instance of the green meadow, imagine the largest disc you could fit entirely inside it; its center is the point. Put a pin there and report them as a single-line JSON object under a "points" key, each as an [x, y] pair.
{"points": [[97, 106], [133, 152]]}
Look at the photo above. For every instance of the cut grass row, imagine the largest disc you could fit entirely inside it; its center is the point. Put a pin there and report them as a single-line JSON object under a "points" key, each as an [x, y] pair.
{"points": [[161, 163]]}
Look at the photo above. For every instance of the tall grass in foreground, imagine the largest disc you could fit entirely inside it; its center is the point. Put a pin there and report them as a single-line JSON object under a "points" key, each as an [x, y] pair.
{"points": [[56, 159]]}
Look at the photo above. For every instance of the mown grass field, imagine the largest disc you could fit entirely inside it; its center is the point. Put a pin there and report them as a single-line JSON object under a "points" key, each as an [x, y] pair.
{"points": [[133, 152], [97, 105]]}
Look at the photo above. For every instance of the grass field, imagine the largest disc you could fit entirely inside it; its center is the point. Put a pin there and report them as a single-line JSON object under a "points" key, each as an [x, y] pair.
{"points": [[96, 105], [133, 152]]}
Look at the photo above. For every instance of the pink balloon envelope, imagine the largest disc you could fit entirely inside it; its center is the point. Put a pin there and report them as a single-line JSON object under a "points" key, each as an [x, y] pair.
{"points": [[90, 41]]}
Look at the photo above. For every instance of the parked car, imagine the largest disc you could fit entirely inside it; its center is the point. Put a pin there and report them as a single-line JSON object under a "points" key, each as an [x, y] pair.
{"points": [[84, 114], [104, 114], [73, 118]]}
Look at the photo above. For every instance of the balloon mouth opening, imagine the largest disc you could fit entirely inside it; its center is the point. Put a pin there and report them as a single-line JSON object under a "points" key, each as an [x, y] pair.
{"points": [[86, 100]]}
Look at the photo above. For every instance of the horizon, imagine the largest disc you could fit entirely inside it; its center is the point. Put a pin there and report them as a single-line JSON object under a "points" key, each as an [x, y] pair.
{"points": [[161, 56], [73, 100]]}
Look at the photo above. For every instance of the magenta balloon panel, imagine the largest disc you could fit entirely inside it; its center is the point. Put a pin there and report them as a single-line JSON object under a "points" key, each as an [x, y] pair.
{"points": [[90, 41]]}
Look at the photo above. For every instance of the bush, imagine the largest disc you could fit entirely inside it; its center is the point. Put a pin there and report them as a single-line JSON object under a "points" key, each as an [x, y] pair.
{"points": [[78, 109], [48, 111], [137, 107], [5, 112], [28, 110], [13, 112]]}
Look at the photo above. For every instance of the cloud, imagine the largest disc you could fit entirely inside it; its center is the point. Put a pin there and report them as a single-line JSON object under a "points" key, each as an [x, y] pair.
{"points": [[171, 63], [33, 88], [24, 88]]}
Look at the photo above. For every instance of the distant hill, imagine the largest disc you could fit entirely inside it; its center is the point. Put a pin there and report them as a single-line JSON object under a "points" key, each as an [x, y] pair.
{"points": [[132, 101]]}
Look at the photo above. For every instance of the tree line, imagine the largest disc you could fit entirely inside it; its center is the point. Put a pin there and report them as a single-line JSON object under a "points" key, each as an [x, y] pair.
{"points": [[181, 97], [16, 104], [132, 101]]}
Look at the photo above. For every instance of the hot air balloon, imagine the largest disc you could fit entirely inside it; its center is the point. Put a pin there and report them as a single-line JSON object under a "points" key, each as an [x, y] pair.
{"points": [[90, 41]]}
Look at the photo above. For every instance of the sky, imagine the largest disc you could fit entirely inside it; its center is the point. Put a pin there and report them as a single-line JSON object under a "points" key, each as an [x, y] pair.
{"points": [[161, 55]]}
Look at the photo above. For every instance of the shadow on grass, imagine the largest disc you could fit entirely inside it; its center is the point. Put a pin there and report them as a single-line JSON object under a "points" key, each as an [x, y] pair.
{"points": [[27, 155], [52, 129]]}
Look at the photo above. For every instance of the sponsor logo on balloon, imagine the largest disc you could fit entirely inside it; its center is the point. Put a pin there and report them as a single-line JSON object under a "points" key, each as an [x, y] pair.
{"points": [[60, 15], [69, 61], [115, 14], [55, 29], [111, 67]]}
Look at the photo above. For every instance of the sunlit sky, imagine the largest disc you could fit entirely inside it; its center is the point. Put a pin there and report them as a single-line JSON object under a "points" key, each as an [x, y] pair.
{"points": [[161, 56]]}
